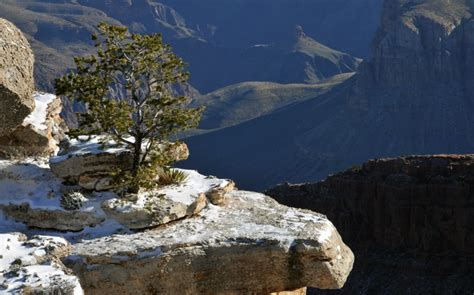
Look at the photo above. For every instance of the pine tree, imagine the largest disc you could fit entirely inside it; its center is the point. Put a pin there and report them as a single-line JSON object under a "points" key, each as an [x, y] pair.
{"points": [[127, 88]]}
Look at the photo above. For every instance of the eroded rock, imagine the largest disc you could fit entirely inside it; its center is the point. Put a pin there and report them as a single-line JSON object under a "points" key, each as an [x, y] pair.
{"points": [[217, 195], [16, 77], [251, 245]]}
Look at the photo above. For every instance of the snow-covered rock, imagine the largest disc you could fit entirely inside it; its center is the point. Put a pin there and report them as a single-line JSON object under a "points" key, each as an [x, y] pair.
{"points": [[250, 245], [166, 204], [247, 244], [40, 132], [34, 267], [89, 163], [31, 194]]}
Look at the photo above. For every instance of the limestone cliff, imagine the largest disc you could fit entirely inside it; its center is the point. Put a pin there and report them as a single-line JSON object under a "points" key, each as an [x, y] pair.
{"points": [[409, 221], [423, 42]]}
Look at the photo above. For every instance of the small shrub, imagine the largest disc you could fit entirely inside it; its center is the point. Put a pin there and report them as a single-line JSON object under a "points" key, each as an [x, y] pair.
{"points": [[73, 201], [171, 176]]}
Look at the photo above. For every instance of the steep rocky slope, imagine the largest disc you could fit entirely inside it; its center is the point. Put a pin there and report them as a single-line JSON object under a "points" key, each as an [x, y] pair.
{"points": [[412, 97], [408, 219], [292, 58], [347, 25], [241, 102]]}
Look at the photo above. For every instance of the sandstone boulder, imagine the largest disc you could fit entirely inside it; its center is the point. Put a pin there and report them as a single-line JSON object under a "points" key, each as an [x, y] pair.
{"points": [[33, 266], [251, 245], [40, 132], [87, 163], [16, 77]]}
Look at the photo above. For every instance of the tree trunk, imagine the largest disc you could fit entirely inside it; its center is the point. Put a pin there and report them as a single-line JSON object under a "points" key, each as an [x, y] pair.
{"points": [[134, 188]]}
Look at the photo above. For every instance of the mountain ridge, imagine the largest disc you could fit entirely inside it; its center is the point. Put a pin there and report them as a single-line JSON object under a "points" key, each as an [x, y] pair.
{"points": [[399, 102], [59, 30]]}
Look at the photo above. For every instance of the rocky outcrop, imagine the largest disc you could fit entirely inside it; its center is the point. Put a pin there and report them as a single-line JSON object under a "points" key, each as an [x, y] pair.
{"points": [[90, 164], [31, 194], [33, 266], [172, 240], [40, 132], [407, 218], [252, 245], [16, 77]]}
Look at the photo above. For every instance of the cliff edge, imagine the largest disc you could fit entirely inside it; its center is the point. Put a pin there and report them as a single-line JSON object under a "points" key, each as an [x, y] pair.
{"points": [[408, 220]]}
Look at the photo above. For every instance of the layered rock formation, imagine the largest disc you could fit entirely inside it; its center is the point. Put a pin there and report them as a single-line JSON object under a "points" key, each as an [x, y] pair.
{"points": [[413, 96], [424, 42], [409, 220], [16, 77], [252, 245], [30, 124]]}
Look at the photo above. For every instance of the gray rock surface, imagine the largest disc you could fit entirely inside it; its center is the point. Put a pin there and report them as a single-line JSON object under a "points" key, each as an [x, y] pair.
{"points": [[48, 218], [252, 245], [31, 194], [16, 77], [155, 210]]}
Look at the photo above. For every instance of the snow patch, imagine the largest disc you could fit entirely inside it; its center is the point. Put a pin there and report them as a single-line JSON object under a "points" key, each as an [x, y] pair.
{"points": [[29, 182], [38, 117], [84, 145], [25, 264]]}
